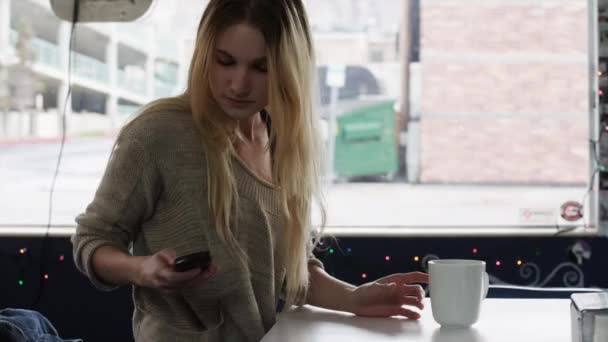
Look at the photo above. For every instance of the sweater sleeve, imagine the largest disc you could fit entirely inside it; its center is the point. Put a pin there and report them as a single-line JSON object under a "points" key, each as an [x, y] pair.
{"points": [[124, 198]]}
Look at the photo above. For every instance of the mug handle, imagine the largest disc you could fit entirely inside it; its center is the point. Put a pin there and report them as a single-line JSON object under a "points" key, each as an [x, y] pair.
{"points": [[485, 284]]}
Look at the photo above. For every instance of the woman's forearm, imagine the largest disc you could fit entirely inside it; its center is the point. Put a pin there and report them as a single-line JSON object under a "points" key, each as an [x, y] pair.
{"points": [[116, 267], [328, 292]]}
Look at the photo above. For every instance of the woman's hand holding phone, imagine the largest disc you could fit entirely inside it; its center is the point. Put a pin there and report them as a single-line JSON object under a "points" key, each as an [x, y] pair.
{"points": [[160, 271]]}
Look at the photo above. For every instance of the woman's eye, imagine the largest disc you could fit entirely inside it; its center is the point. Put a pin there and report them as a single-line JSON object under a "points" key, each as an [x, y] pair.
{"points": [[225, 62], [261, 68]]}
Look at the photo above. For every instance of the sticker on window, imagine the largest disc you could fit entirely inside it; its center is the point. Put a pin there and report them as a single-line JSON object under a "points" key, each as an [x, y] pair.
{"points": [[537, 216]]}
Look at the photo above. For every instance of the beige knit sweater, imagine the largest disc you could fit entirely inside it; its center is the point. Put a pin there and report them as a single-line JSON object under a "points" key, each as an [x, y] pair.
{"points": [[152, 196]]}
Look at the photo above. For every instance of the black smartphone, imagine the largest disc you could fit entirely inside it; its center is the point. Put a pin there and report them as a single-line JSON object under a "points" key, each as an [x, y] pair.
{"points": [[201, 260]]}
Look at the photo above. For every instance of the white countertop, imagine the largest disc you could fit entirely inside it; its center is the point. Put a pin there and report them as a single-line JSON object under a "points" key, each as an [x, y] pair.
{"points": [[521, 320]]}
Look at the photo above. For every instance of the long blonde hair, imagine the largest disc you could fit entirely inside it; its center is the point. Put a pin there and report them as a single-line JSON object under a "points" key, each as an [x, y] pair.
{"points": [[294, 136]]}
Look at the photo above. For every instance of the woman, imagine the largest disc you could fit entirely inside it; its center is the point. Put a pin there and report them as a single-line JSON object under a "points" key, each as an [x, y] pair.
{"points": [[230, 167]]}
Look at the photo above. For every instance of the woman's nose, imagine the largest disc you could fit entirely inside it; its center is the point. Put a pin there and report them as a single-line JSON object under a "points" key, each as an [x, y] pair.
{"points": [[239, 84]]}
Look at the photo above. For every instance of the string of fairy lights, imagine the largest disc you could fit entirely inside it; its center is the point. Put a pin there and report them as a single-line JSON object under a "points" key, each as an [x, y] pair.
{"points": [[24, 259], [419, 260]]}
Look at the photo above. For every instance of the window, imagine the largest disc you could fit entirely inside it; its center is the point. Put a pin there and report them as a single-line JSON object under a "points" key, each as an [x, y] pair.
{"points": [[491, 133]]}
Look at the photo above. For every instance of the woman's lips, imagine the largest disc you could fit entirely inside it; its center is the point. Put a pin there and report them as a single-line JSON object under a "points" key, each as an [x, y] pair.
{"points": [[238, 103]]}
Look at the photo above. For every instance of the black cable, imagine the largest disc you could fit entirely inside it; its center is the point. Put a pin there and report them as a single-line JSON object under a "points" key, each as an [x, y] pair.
{"points": [[598, 165], [589, 189], [45, 240], [597, 170]]}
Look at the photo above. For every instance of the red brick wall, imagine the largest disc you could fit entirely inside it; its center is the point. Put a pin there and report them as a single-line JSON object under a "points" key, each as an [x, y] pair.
{"points": [[504, 91], [504, 150]]}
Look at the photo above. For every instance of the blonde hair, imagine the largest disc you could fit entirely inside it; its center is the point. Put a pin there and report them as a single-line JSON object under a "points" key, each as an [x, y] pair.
{"points": [[294, 135]]}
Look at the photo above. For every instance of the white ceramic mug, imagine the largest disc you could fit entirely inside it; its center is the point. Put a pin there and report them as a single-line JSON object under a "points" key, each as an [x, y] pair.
{"points": [[457, 289]]}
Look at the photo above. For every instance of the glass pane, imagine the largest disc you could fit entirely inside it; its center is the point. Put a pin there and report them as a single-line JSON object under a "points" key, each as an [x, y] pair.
{"points": [[492, 130], [496, 122]]}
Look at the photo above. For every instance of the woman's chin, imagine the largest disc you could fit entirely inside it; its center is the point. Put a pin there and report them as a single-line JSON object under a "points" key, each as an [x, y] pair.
{"points": [[239, 113]]}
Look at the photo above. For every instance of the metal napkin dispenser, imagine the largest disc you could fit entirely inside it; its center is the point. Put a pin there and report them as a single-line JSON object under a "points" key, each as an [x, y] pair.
{"points": [[589, 316]]}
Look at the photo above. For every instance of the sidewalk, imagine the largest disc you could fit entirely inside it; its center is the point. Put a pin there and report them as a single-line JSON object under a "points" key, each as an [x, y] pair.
{"points": [[27, 173], [29, 140], [12, 141], [18, 128]]}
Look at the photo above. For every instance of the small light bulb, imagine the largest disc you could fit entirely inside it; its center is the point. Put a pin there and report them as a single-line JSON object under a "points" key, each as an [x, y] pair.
{"points": [[498, 263], [387, 258], [416, 258], [474, 250], [46, 276], [363, 275], [519, 262]]}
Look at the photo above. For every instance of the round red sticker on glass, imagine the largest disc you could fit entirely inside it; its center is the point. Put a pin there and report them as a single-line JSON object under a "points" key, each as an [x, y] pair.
{"points": [[572, 211]]}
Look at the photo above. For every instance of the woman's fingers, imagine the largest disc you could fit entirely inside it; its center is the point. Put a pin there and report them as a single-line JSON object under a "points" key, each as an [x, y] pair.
{"points": [[405, 278], [177, 278], [412, 301], [396, 310], [167, 256], [414, 291], [204, 276], [397, 291], [169, 278], [411, 314], [394, 294], [409, 295]]}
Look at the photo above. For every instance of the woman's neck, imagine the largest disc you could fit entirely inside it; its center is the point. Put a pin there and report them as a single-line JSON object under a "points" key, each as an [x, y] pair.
{"points": [[251, 129]]}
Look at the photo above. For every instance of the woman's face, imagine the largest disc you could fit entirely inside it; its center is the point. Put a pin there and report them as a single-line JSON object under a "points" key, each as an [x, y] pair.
{"points": [[239, 79]]}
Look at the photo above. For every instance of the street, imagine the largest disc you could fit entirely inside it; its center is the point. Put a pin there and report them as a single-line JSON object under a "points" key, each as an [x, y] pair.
{"points": [[26, 172]]}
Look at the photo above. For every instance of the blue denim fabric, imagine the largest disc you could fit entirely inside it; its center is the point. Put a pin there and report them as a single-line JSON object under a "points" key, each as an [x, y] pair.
{"points": [[20, 325]]}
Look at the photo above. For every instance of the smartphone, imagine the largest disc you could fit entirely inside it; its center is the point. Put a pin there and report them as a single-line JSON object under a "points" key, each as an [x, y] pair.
{"points": [[185, 263]]}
